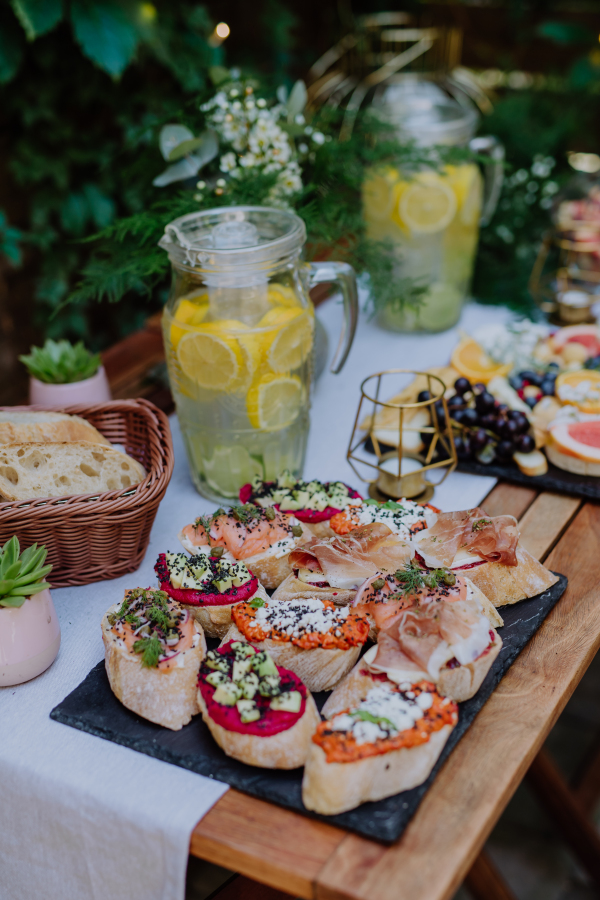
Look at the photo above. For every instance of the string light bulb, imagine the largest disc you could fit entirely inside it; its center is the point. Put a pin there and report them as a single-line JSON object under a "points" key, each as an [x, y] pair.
{"points": [[223, 30]]}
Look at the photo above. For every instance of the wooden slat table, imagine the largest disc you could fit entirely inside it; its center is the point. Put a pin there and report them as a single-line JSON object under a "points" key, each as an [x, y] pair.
{"points": [[311, 859]]}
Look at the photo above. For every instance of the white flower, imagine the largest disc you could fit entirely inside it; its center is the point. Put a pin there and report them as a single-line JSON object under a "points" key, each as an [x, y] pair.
{"points": [[228, 162], [303, 148], [318, 137], [299, 119]]}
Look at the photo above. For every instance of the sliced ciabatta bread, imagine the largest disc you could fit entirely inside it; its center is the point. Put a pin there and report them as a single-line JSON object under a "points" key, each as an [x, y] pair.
{"points": [[504, 585], [208, 587], [261, 538], [31, 427], [316, 640], [153, 650], [571, 463], [386, 744], [257, 712], [57, 470], [294, 588]]}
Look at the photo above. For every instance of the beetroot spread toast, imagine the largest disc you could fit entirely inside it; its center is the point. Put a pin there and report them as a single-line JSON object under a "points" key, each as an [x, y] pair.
{"points": [[387, 743], [318, 641], [431, 625], [261, 538], [153, 650], [312, 502], [334, 568], [208, 586], [257, 712], [486, 548]]}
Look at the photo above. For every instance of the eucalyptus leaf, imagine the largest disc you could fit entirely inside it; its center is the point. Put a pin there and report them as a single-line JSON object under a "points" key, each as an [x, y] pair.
{"points": [[185, 149], [11, 45], [171, 136], [297, 100], [105, 33], [37, 16]]}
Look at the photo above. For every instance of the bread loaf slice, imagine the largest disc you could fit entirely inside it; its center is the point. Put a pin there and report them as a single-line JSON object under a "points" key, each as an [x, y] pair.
{"points": [[30, 427], [30, 470]]}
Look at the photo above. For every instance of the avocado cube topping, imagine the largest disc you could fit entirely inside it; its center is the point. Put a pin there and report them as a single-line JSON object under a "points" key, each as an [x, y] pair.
{"points": [[227, 694], [239, 574], [241, 649], [216, 661], [248, 685], [288, 701], [248, 710], [217, 678], [263, 664], [240, 667], [269, 686]]}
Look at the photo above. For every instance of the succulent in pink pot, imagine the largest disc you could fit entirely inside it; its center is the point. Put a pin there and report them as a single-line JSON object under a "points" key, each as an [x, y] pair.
{"points": [[29, 629]]}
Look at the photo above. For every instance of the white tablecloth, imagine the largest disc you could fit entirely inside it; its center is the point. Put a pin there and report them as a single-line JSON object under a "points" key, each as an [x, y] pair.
{"points": [[84, 819]]}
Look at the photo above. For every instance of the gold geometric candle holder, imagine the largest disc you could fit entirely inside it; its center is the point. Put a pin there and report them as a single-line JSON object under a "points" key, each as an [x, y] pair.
{"points": [[400, 423]]}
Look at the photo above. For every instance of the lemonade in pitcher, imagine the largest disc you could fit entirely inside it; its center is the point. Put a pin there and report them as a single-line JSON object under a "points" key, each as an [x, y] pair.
{"points": [[239, 334]]}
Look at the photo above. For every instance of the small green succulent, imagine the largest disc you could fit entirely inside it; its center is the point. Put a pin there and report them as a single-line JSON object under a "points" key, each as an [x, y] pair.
{"points": [[61, 362], [21, 574]]}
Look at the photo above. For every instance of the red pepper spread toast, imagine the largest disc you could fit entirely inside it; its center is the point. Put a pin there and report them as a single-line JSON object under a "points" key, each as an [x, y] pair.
{"points": [[153, 650], [208, 585], [387, 743], [404, 517], [315, 639], [258, 712]]}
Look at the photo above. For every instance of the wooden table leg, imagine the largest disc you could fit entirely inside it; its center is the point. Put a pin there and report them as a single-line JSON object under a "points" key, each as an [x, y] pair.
{"points": [[566, 812], [242, 888], [484, 881]]}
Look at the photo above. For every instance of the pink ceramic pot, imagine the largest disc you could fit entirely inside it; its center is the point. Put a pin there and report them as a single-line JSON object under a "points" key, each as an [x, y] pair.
{"points": [[29, 639], [92, 390]]}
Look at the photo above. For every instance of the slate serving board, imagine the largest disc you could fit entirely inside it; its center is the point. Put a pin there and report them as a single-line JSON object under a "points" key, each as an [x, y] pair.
{"points": [[92, 707], [555, 479]]}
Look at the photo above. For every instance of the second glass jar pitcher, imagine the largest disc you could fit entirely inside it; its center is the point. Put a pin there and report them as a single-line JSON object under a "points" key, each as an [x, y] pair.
{"points": [[431, 218], [239, 337]]}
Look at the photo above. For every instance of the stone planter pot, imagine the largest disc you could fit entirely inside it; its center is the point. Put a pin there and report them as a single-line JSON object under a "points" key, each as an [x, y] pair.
{"points": [[91, 391], [29, 639]]}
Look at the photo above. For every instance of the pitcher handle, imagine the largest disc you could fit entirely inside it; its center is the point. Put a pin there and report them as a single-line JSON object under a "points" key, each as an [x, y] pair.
{"points": [[493, 173], [343, 275]]}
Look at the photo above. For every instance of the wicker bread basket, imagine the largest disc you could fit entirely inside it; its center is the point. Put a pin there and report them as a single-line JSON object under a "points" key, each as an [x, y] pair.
{"points": [[94, 537]]}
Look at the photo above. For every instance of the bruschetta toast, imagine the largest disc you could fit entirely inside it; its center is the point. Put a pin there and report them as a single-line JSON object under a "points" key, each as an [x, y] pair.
{"points": [[312, 502], [387, 743], [153, 650], [316, 640], [208, 586], [257, 712], [261, 538]]}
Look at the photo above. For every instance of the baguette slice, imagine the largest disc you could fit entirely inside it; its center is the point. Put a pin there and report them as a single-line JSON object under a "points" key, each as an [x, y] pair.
{"points": [[30, 427], [320, 669], [285, 750], [216, 620], [292, 588], [571, 463], [533, 463], [62, 469], [505, 585], [168, 698], [268, 568], [331, 788]]}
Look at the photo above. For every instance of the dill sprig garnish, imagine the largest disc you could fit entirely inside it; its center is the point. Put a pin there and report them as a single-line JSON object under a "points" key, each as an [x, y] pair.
{"points": [[413, 579], [246, 513], [150, 649]]}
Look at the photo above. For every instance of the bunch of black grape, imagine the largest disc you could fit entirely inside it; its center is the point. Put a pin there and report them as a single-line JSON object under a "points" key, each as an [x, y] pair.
{"points": [[483, 428]]}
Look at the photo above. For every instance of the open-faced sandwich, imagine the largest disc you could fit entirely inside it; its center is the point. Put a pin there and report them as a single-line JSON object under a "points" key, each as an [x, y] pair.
{"points": [[153, 650], [312, 502], [386, 743], [208, 586], [261, 538], [432, 625], [315, 639], [334, 568], [487, 549], [256, 711], [403, 517]]}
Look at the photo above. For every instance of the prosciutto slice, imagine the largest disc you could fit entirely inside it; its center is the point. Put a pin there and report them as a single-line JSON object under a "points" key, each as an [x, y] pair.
{"points": [[492, 538], [347, 561], [438, 626]]}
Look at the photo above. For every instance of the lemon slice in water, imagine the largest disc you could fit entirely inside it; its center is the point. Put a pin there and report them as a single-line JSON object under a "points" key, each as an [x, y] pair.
{"points": [[210, 359], [428, 205], [292, 344], [273, 402]]}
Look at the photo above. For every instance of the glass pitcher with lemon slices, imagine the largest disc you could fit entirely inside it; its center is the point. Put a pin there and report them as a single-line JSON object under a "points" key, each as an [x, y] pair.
{"points": [[239, 332], [431, 216]]}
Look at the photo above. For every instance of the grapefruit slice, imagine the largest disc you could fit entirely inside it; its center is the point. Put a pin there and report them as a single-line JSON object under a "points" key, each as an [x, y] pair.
{"points": [[586, 335], [578, 439]]}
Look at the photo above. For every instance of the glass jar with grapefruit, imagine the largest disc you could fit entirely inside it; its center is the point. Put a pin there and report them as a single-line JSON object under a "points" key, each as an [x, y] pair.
{"points": [[239, 336]]}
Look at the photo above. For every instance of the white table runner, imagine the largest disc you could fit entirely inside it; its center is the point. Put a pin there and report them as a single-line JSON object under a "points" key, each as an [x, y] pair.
{"points": [[84, 819]]}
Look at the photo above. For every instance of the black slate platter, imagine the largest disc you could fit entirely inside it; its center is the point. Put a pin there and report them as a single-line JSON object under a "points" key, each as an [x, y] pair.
{"points": [[92, 707], [555, 479]]}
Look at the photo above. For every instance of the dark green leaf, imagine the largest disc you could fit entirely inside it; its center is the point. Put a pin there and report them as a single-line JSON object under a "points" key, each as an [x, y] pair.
{"points": [[105, 32], [11, 45], [12, 602], [37, 16], [565, 32]]}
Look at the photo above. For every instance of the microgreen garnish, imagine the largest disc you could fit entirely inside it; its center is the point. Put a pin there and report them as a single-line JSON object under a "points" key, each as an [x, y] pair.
{"points": [[256, 602], [481, 523], [413, 578], [389, 504], [246, 513], [369, 717]]}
